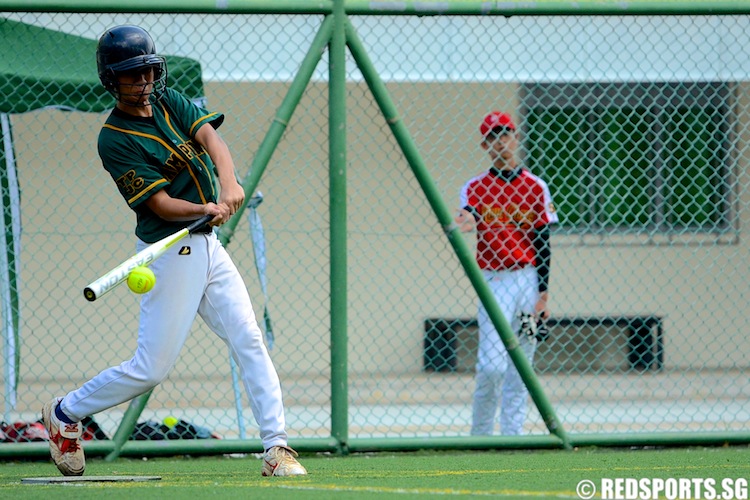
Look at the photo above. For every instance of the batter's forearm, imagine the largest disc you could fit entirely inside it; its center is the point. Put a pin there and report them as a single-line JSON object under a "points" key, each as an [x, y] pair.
{"points": [[219, 152], [175, 209], [224, 163]]}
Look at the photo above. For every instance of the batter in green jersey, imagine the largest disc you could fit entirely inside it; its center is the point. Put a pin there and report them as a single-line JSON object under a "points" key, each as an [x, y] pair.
{"points": [[172, 167], [148, 154]]}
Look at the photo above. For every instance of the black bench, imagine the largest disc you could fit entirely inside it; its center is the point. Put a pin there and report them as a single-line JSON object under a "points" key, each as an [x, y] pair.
{"points": [[645, 348]]}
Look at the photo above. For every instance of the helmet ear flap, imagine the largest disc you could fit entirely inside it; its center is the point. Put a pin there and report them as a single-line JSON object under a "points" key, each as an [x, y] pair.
{"points": [[109, 80]]}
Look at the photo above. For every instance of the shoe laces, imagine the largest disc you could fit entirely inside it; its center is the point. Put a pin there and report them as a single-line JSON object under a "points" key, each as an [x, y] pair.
{"points": [[287, 453], [67, 445]]}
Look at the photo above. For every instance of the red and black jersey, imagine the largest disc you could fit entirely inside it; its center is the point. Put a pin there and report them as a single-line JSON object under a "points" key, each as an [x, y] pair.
{"points": [[508, 210]]}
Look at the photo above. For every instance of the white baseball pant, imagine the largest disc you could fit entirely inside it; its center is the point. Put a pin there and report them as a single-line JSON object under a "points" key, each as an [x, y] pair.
{"points": [[498, 383], [205, 282]]}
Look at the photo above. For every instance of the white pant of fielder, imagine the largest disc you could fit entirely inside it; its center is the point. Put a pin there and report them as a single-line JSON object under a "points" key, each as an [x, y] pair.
{"points": [[201, 280], [498, 383]]}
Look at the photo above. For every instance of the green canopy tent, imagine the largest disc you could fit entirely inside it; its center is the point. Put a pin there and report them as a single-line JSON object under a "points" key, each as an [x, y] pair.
{"points": [[42, 68]]}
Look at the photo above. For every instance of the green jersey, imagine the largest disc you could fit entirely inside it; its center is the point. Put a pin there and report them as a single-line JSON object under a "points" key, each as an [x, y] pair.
{"points": [[146, 154]]}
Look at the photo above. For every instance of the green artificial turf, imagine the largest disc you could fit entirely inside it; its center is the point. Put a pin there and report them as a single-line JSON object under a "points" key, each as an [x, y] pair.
{"points": [[481, 474]]}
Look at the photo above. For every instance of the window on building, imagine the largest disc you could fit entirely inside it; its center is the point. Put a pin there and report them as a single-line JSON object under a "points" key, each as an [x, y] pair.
{"points": [[633, 157]]}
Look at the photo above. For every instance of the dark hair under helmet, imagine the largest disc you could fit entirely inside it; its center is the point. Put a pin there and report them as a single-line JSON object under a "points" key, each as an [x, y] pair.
{"points": [[128, 48]]}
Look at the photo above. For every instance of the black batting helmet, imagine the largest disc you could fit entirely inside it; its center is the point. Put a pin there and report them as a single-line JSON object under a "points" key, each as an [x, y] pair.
{"points": [[129, 48]]}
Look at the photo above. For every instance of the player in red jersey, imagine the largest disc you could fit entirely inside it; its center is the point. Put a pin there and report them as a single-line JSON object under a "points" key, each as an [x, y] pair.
{"points": [[511, 210]]}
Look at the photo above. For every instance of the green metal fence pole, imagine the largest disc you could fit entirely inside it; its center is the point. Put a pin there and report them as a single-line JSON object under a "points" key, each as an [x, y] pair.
{"points": [[533, 441], [127, 424], [549, 7], [279, 124], [170, 6], [401, 8], [11, 303], [15, 451], [165, 448], [451, 230], [337, 196]]}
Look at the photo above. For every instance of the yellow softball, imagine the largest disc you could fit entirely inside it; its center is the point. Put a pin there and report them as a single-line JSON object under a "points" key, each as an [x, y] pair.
{"points": [[170, 421], [141, 279]]}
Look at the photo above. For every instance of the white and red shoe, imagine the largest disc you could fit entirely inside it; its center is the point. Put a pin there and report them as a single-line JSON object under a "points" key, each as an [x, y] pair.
{"points": [[64, 441], [282, 461]]}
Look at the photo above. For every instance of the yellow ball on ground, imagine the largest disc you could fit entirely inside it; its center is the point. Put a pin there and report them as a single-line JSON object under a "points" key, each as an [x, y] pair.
{"points": [[141, 279], [170, 421]]}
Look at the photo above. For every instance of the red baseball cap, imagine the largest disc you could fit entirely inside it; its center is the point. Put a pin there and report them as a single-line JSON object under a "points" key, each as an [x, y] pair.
{"points": [[494, 120]]}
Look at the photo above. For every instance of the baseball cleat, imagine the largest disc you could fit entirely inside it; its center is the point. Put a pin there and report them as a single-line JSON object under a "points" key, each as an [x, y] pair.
{"points": [[282, 461], [64, 441]]}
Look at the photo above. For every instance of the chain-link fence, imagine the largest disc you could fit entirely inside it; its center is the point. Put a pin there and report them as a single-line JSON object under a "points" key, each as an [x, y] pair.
{"points": [[639, 125]]}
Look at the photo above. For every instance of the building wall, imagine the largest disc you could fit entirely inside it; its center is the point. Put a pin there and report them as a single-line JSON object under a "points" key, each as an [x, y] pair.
{"points": [[401, 268]]}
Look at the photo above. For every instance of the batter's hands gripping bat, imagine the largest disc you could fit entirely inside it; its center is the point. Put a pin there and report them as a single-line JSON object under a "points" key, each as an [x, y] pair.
{"points": [[142, 258]]}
